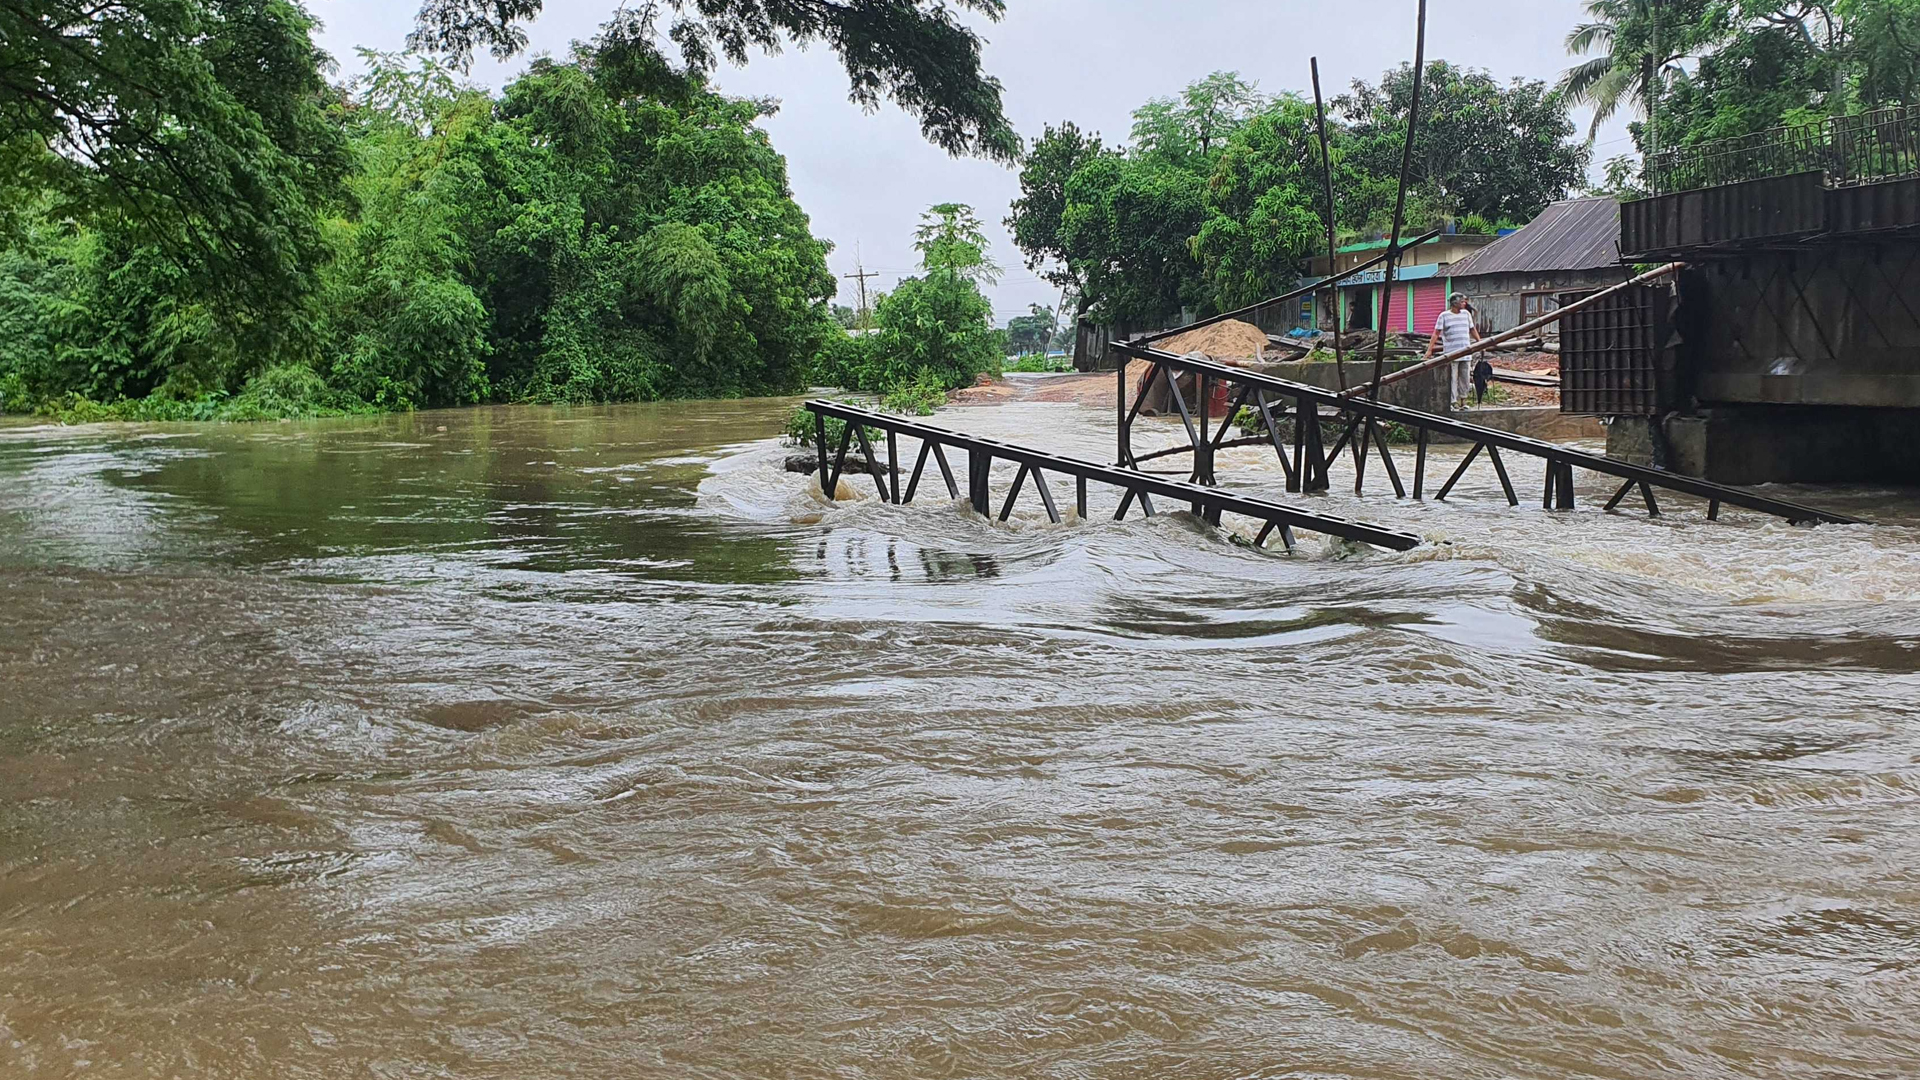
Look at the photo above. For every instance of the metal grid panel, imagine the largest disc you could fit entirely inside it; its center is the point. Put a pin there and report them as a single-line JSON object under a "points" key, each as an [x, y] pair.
{"points": [[1607, 355]]}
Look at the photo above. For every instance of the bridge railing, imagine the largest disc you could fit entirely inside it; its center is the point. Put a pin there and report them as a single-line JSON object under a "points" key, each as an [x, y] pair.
{"points": [[1208, 503], [1862, 149], [1365, 425]]}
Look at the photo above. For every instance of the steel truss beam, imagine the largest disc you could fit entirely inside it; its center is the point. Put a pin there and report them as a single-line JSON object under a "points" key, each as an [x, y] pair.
{"points": [[1209, 502], [1362, 416]]}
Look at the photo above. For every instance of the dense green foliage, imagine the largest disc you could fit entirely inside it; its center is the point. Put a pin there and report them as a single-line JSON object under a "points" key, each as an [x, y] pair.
{"points": [[1039, 363], [913, 51], [195, 225], [917, 398], [933, 330], [193, 133], [1487, 150], [1706, 69], [1218, 200], [1033, 332], [1264, 206], [568, 241]]}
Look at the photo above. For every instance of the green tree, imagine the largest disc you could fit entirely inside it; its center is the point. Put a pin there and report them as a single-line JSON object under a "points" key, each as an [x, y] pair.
{"points": [[1622, 181], [633, 246], [406, 327], [951, 240], [1129, 228], [1883, 58], [934, 329], [1197, 122], [1263, 206], [1634, 47], [1034, 331], [587, 235], [1037, 217], [191, 128], [1703, 69], [915, 52], [1499, 151]]}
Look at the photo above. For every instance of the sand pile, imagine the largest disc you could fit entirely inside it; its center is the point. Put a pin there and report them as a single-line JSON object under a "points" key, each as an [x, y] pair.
{"points": [[1230, 338]]}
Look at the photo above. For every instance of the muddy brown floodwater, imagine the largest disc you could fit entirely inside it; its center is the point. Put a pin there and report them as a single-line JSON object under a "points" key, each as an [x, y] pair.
{"points": [[530, 743]]}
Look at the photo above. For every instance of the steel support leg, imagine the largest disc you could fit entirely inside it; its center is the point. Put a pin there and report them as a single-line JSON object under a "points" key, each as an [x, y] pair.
{"points": [[1618, 496], [1420, 467], [1013, 493], [1459, 472], [919, 466], [1386, 462], [1313, 476], [873, 461], [1360, 448], [1286, 535], [1300, 477], [820, 444], [1203, 452], [1279, 447], [1046, 496], [1500, 470], [832, 486], [977, 489], [946, 470], [893, 463]]}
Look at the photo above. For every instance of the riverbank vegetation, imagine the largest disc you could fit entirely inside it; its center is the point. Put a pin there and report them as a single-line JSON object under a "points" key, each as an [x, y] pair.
{"points": [[195, 224]]}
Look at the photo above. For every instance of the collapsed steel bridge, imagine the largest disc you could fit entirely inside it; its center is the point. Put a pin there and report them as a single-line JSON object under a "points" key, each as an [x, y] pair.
{"points": [[1308, 466], [1364, 421], [1208, 503]]}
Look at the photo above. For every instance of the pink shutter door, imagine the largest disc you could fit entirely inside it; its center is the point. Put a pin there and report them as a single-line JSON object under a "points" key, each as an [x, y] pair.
{"points": [[1429, 300]]}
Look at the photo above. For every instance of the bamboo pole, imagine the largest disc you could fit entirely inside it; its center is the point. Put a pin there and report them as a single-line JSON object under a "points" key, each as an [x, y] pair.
{"points": [[1333, 242], [1400, 201]]}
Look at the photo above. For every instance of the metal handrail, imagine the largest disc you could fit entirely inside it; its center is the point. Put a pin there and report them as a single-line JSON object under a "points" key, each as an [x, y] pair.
{"points": [[1862, 149]]}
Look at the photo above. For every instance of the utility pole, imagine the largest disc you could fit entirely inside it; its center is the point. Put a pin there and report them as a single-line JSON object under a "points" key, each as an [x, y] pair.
{"points": [[864, 321]]}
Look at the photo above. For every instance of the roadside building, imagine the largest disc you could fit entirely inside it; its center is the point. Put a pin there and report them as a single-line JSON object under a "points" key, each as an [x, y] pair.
{"points": [[1573, 246], [1419, 285]]}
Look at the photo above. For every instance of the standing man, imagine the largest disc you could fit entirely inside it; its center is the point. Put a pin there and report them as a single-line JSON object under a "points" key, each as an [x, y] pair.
{"points": [[1455, 330]]}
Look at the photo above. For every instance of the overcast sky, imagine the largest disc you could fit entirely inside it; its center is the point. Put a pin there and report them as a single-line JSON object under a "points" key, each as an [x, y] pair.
{"points": [[864, 179]]}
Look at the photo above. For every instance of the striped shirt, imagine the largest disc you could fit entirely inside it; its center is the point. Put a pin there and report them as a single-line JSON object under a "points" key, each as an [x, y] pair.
{"points": [[1456, 330]]}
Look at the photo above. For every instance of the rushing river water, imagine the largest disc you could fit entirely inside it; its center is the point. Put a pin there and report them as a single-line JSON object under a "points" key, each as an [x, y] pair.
{"points": [[523, 743]]}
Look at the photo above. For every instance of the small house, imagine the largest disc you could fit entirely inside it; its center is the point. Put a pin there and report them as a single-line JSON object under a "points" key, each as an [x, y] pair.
{"points": [[1573, 246], [1419, 284]]}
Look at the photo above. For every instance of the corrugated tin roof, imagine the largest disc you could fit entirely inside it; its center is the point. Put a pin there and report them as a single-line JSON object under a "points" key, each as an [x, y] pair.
{"points": [[1578, 234]]}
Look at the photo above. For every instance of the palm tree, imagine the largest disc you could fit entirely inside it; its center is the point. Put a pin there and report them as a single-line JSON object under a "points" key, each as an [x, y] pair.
{"points": [[1641, 50]]}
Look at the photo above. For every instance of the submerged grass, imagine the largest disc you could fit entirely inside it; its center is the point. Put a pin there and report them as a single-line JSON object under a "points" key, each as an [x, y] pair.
{"points": [[284, 392]]}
